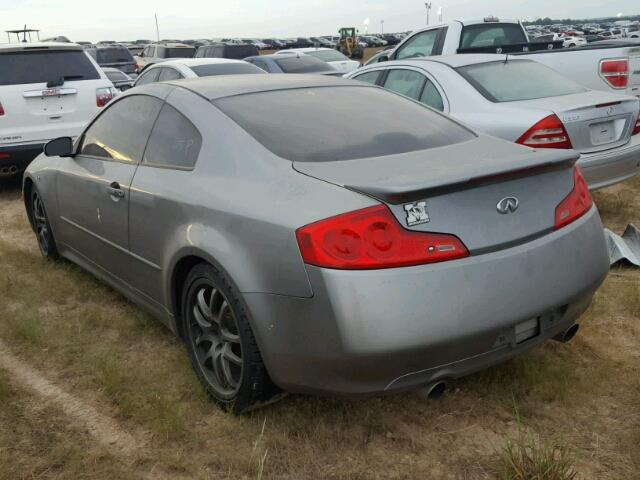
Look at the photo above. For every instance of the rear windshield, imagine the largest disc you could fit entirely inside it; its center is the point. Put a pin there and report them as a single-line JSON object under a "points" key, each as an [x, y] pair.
{"points": [[328, 55], [225, 69], [180, 52], [239, 52], [114, 55], [325, 124], [518, 80], [302, 64], [17, 68], [115, 76], [492, 34]]}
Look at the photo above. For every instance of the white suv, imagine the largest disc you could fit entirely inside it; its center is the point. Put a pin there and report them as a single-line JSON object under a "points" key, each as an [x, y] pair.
{"points": [[47, 90]]}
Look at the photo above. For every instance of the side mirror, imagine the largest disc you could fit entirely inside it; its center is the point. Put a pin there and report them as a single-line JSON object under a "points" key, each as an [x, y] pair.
{"points": [[383, 58], [59, 147]]}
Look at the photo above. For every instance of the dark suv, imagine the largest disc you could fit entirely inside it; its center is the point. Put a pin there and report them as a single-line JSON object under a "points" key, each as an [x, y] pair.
{"points": [[236, 52], [114, 56]]}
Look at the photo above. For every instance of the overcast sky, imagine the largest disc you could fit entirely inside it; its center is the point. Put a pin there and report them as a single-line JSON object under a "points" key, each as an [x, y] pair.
{"points": [[134, 19]]}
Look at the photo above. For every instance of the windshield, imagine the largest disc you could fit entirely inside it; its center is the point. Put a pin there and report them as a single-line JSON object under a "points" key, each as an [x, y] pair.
{"points": [[42, 67], [179, 52], [225, 69], [302, 64], [492, 34], [114, 55], [518, 80], [115, 76], [324, 124], [328, 55]]}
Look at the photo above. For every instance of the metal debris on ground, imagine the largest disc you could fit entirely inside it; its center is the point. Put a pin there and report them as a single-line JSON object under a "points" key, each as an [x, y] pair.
{"points": [[624, 249]]}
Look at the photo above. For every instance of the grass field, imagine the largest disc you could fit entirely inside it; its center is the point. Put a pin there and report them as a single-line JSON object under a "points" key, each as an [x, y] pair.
{"points": [[90, 387]]}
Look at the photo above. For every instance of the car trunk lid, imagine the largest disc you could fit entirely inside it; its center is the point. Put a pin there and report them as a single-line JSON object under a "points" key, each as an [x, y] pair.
{"points": [[594, 120], [460, 189]]}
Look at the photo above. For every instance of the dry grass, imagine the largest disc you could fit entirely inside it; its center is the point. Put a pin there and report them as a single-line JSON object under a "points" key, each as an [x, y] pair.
{"points": [[578, 404]]}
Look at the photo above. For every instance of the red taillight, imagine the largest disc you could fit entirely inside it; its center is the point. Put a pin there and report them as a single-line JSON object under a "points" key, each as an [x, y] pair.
{"points": [[136, 68], [636, 129], [372, 238], [1, 110], [547, 133], [615, 72], [104, 96], [576, 204]]}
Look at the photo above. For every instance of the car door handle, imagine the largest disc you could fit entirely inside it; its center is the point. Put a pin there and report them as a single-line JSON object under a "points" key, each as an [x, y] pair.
{"points": [[115, 191]]}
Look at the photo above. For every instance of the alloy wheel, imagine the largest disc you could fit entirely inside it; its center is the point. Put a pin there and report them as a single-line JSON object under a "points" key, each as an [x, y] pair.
{"points": [[213, 332]]}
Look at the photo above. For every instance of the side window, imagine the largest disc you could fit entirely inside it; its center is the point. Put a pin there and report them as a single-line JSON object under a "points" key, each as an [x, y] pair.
{"points": [[369, 77], [430, 96], [151, 52], [121, 132], [218, 52], [160, 52], [260, 64], [174, 142], [149, 76], [406, 82], [420, 45], [169, 74]]}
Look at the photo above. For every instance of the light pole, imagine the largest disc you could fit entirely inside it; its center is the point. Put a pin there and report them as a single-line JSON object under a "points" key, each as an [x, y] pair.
{"points": [[428, 7], [382, 27]]}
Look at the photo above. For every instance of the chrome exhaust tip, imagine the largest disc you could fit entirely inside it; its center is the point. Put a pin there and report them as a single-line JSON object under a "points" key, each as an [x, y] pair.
{"points": [[568, 334], [434, 390]]}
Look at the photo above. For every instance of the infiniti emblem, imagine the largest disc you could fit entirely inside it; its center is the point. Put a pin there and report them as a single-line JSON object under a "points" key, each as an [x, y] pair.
{"points": [[507, 205]]}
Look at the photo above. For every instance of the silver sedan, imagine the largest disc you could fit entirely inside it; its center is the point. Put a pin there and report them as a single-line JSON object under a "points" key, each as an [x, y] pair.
{"points": [[525, 102], [294, 245]]}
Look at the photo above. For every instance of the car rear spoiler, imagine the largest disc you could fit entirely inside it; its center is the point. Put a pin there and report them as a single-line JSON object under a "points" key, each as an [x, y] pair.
{"points": [[514, 47], [422, 174]]}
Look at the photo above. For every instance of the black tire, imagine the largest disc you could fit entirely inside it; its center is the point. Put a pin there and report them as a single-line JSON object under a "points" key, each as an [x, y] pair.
{"points": [[217, 333], [41, 226]]}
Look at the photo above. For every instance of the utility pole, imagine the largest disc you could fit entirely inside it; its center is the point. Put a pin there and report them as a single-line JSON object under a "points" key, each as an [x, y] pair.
{"points": [[157, 29], [428, 7], [382, 27]]}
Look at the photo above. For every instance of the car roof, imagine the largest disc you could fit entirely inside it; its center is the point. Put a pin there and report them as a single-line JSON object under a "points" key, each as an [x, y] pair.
{"points": [[305, 50], [194, 62], [455, 61], [18, 47], [214, 88]]}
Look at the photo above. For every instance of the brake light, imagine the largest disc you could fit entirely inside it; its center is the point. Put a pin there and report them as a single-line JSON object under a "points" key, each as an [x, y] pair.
{"points": [[372, 238], [1, 109], [636, 129], [615, 72], [136, 68], [104, 95], [547, 133], [576, 204]]}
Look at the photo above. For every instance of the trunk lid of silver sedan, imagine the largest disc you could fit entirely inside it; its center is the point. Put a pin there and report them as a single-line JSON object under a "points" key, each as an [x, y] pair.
{"points": [[491, 194], [594, 121]]}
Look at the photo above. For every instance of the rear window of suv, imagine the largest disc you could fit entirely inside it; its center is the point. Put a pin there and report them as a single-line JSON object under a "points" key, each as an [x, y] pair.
{"points": [[114, 55], [513, 80], [24, 67], [324, 124]]}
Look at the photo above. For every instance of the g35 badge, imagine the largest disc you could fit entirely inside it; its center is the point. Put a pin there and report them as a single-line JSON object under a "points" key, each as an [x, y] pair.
{"points": [[416, 213]]}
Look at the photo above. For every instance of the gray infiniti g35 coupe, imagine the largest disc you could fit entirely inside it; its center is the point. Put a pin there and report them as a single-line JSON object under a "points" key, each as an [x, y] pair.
{"points": [[294, 245]]}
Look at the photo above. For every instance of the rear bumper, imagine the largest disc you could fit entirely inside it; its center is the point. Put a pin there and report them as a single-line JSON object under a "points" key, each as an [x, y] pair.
{"points": [[15, 159], [613, 166], [375, 331]]}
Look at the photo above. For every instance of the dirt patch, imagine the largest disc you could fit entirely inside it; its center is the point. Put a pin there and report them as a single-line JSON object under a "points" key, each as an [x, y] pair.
{"points": [[104, 429]]}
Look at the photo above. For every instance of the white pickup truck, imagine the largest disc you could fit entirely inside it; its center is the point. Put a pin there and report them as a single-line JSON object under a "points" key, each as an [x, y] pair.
{"points": [[611, 67]]}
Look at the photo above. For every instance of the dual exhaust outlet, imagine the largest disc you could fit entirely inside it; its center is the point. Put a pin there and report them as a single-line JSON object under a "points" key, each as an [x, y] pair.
{"points": [[435, 390], [8, 171]]}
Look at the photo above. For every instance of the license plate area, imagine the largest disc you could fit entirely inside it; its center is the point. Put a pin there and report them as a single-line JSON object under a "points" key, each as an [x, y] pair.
{"points": [[603, 132], [529, 330]]}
